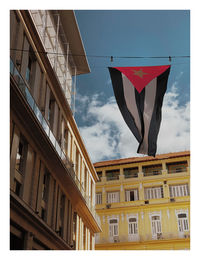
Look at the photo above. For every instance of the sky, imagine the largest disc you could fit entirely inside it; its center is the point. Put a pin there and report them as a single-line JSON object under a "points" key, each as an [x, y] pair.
{"points": [[132, 33]]}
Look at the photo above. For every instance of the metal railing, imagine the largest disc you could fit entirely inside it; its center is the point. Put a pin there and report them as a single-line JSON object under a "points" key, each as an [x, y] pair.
{"points": [[22, 85]]}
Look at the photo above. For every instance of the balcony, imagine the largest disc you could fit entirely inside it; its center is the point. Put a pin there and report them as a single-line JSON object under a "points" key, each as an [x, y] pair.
{"points": [[112, 175], [24, 90], [142, 238], [177, 170]]}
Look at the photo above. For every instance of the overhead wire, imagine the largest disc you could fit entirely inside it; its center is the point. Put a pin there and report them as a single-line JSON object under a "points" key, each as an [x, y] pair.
{"points": [[104, 56]]}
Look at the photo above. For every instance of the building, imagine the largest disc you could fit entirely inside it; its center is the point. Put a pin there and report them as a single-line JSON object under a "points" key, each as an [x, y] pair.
{"points": [[144, 202], [52, 180]]}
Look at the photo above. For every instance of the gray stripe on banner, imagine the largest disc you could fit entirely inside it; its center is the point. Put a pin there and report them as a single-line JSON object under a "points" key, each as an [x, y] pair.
{"points": [[149, 101], [129, 94]]}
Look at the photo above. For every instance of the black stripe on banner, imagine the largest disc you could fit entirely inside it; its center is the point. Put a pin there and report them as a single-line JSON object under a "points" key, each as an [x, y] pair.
{"points": [[157, 113], [117, 83], [139, 97]]}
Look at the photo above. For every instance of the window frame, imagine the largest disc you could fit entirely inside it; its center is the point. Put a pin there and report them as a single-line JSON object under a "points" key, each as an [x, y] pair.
{"points": [[98, 198], [133, 226], [156, 225], [113, 227], [128, 194], [113, 196], [183, 222]]}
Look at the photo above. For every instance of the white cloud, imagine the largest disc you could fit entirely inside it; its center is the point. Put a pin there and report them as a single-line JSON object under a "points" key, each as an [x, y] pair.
{"points": [[108, 137]]}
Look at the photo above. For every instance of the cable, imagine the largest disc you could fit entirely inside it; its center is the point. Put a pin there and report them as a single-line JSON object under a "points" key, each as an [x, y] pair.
{"points": [[104, 56]]}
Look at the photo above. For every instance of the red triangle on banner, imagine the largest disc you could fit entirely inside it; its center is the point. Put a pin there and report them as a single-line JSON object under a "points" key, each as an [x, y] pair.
{"points": [[141, 76]]}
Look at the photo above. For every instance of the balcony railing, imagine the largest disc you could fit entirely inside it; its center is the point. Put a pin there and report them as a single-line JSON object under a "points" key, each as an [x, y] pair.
{"points": [[142, 238], [112, 178], [182, 169], [131, 175], [22, 85], [152, 173]]}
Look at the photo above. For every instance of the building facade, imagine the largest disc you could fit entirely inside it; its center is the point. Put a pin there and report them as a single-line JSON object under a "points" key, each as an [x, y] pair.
{"points": [[144, 203], [52, 180]]}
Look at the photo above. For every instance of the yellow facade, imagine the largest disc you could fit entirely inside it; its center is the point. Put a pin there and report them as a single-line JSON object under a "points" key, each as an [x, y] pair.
{"points": [[146, 208]]}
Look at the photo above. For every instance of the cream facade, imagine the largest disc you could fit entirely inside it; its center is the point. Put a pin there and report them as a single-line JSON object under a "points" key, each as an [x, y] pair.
{"points": [[52, 180], [144, 203]]}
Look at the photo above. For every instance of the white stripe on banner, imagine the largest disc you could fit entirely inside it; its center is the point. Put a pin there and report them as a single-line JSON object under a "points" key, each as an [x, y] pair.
{"points": [[129, 94], [149, 101]]}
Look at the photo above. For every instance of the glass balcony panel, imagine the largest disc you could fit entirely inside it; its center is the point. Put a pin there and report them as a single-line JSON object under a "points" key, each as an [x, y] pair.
{"points": [[29, 98], [58, 149], [52, 138], [11, 67], [38, 113], [45, 126], [63, 156]]}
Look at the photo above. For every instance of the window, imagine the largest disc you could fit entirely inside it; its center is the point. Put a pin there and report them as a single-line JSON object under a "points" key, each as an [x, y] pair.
{"points": [[17, 187], [131, 195], [51, 111], [152, 170], [43, 213], [179, 190], [131, 173], [153, 193], [30, 67], [177, 167], [183, 222], [21, 155], [99, 198], [113, 227], [155, 225], [112, 175], [112, 197], [132, 226], [66, 140], [45, 186]]}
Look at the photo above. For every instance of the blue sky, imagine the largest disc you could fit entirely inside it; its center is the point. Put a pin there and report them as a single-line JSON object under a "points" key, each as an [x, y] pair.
{"points": [[132, 33]]}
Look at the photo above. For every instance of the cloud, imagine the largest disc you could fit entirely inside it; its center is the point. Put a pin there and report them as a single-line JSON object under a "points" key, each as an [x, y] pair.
{"points": [[107, 136]]}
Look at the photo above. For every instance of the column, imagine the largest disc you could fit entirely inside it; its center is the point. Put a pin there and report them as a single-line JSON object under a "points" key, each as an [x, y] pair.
{"points": [[25, 55], [122, 194], [50, 200], [55, 198], [39, 191], [77, 231], [37, 82], [34, 188], [140, 172], [28, 241], [13, 155], [65, 219], [104, 200], [55, 119], [166, 190], [69, 144], [141, 192], [28, 175], [103, 179], [121, 176], [164, 169]]}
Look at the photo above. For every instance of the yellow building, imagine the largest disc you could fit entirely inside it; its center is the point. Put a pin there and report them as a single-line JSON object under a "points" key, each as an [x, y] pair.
{"points": [[144, 202], [52, 180]]}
